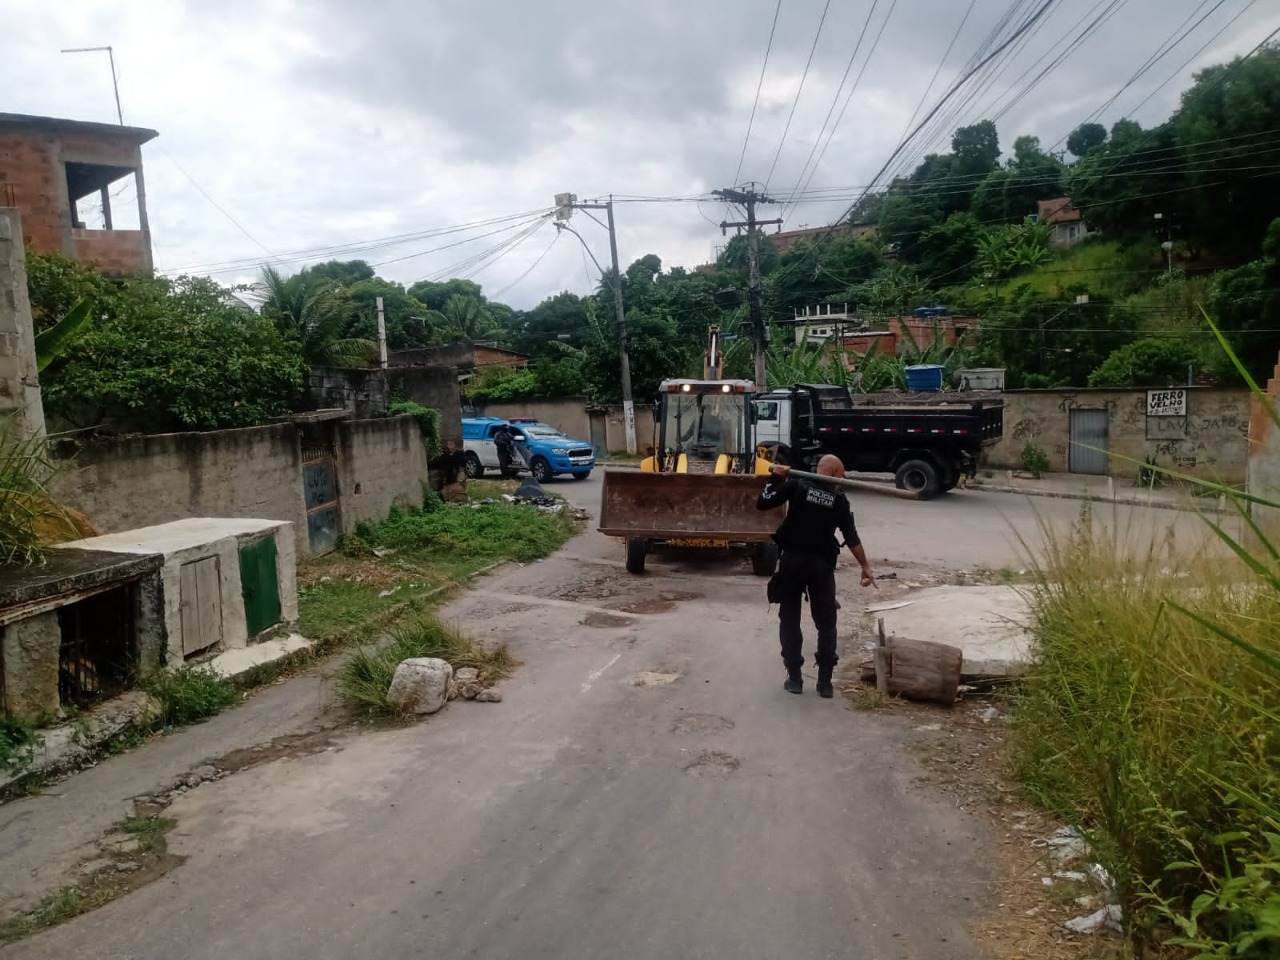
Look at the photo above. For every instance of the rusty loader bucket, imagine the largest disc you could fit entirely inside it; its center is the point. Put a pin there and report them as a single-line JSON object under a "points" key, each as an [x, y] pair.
{"points": [[687, 510]]}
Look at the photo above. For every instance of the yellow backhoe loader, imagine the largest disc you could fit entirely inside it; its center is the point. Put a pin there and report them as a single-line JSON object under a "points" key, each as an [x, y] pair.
{"points": [[699, 485]]}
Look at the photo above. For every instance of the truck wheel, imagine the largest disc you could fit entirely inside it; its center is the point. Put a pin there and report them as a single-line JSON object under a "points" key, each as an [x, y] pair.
{"points": [[764, 560], [637, 547], [474, 468], [541, 469], [918, 476]]}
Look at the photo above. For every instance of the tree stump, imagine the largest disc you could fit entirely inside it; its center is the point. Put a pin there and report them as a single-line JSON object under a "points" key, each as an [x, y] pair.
{"points": [[918, 670]]}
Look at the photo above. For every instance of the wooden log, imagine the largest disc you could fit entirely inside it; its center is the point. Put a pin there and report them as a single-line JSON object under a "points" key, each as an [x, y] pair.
{"points": [[881, 488], [883, 667], [923, 670]]}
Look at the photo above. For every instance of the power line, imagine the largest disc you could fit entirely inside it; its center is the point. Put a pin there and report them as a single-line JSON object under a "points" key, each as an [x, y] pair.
{"points": [[759, 85], [800, 89], [217, 206], [839, 88], [845, 106], [361, 246], [533, 266]]}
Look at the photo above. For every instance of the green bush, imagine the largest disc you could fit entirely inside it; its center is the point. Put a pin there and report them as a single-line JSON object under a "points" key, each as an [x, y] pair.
{"points": [[1034, 460], [18, 745], [365, 678]]}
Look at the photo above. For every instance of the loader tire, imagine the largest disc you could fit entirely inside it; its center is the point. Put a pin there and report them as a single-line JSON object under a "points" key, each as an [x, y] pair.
{"points": [[764, 559], [637, 548]]}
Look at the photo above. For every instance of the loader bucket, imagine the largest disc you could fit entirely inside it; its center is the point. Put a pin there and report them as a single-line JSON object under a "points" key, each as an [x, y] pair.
{"points": [[680, 506]]}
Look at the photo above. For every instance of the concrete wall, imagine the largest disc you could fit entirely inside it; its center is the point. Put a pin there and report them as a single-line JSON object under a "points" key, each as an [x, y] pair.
{"points": [[568, 416], [574, 418], [30, 658], [1264, 455], [435, 387], [123, 484], [381, 464], [19, 384], [362, 393], [1211, 442]]}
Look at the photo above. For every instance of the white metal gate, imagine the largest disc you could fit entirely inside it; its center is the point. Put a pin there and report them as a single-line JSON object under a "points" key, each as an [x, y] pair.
{"points": [[1088, 451]]}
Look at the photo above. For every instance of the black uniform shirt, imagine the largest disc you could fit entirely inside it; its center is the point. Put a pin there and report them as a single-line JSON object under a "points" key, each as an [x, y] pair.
{"points": [[814, 514]]}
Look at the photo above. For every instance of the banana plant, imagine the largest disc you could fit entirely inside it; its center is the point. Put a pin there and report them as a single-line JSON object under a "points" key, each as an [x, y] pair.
{"points": [[52, 343]]}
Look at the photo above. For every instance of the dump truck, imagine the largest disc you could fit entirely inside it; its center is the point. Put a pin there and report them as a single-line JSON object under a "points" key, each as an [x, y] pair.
{"points": [[928, 442], [699, 485]]}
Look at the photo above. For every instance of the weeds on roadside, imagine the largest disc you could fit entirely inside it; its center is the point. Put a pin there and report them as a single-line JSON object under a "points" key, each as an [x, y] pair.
{"points": [[189, 694], [490, 532], [363, 681], [1151, 716], [18, 744]]}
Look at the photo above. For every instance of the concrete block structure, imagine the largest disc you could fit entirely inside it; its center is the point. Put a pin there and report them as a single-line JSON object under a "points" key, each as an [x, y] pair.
{"points": [[225, 581], [19, 383], [50, 168]]}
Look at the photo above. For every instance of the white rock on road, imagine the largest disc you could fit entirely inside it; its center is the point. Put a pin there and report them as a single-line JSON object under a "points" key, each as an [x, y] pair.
{"points": [[420, 685]]}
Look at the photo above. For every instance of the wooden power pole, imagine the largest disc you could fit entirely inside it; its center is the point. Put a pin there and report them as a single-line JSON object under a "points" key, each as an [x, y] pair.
{"points": [[759, 332]]}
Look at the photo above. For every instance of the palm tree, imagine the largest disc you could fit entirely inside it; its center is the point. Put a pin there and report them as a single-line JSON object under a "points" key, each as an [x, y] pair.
{"points": [[467, 316], [310, 312]]}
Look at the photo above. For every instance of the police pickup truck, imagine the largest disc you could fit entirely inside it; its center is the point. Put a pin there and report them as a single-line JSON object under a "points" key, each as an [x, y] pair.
{"points": [[540, 448]]}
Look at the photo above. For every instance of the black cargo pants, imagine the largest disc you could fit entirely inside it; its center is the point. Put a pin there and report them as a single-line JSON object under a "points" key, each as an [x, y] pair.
{"points": [[798, 573]]}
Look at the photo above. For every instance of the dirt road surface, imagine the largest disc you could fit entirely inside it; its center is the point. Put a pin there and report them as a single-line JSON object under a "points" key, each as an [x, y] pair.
{"points": [[646, 789]]}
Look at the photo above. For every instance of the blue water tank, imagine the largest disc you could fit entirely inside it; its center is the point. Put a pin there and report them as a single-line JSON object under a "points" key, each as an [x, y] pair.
{"points": [[924, 377]]}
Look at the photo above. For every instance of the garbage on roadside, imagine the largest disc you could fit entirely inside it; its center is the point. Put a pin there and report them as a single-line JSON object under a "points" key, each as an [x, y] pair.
{"points": [[1067, 847]]}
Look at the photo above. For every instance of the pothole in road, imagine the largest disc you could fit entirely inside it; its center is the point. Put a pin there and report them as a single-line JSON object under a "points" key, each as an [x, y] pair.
{"points": [[696, 723], [662, 603], [652, 678], [595, 619], [291, 745], [713, 765]]}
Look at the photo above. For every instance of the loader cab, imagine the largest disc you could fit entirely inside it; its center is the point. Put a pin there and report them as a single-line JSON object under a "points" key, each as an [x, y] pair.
{"points": [[703, 427]]}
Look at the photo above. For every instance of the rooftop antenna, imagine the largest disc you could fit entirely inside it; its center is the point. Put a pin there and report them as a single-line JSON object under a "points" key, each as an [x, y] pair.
{"points": [[114, 83]]}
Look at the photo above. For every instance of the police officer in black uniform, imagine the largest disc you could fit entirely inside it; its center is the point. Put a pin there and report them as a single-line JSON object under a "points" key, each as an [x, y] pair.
{"points": [[807, 539], [505, 442]]}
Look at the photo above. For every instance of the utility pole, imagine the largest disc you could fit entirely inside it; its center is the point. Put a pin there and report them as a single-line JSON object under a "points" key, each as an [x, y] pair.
{"points": [[759, 332], [566, 203], [382, 334]]}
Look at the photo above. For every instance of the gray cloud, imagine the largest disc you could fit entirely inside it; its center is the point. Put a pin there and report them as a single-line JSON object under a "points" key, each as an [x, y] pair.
{"points": [[330, 123]]}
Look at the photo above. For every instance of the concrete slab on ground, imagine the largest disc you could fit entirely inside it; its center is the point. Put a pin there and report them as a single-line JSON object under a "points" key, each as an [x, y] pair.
{"points": [[234, 664], [988, 624]]}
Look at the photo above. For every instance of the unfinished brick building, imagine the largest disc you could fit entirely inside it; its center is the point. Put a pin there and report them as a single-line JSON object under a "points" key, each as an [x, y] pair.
{"points": [[62, 176]]}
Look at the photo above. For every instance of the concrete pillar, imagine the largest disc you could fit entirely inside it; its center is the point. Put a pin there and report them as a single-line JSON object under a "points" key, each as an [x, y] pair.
{"points": [[19, 384], [31, 665]]}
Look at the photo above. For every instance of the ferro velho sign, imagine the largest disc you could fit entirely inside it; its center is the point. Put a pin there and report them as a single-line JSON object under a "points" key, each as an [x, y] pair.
{"points": [[1166, 403]]}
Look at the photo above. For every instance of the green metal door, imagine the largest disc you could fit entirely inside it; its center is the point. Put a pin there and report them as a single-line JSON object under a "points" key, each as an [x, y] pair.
{"points": [[259, 584]]}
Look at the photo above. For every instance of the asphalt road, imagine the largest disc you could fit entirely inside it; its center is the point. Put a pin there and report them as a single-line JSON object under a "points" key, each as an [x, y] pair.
{"points": [[645, 790]]}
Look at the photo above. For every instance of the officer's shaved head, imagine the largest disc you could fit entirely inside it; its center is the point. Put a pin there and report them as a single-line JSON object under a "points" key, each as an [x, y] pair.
{"points": [[831, 466]]}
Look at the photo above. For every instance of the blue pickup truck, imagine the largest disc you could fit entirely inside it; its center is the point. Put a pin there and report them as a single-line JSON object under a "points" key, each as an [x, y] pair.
{"points": [[543, 449]]}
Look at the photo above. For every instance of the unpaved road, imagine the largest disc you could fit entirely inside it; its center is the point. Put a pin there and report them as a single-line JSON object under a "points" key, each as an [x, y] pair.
{"points": [[645, 790]]}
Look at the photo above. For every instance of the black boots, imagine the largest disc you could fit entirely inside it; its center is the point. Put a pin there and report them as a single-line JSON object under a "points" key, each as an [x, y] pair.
{"points": [[794, 682], [825, 689]]}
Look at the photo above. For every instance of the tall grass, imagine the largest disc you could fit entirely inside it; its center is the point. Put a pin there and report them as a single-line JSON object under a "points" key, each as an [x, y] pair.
{"points": [[489, 532], [1151, 717], [29, 519], [366, 676]]}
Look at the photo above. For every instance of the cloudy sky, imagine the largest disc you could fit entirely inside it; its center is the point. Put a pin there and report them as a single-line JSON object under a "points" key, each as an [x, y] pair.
{"points": [[292, 131]]}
